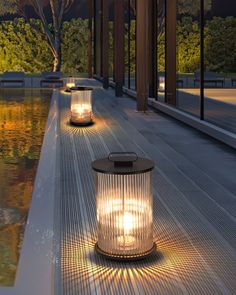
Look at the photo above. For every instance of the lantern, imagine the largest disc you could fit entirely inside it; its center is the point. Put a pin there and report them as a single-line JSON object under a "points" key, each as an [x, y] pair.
{"points": [[124, 206], [81, 106], [161, 84], [70, 84]]}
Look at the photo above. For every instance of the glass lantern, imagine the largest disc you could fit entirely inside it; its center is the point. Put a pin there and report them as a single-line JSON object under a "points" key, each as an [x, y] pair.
{"points": [[161, 84], [81, 106], [124, 201], [70, 84]]}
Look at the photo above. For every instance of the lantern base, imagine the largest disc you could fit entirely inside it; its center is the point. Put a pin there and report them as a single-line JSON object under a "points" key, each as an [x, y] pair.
{"points": [[125, 257], [82, 124], [78, 88]]}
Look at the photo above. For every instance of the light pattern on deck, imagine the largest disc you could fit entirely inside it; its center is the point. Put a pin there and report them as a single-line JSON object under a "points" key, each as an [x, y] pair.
{"points": [[194, 231]]}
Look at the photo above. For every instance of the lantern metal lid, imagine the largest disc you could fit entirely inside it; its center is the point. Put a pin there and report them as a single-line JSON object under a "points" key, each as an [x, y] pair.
{"points": [[124, 206], [123, 164], [78, 88]]}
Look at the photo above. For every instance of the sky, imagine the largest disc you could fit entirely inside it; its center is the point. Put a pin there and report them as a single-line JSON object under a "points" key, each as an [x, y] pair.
{"points": [[219, 8]]}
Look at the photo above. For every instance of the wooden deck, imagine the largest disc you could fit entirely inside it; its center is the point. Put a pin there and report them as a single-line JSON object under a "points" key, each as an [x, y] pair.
{"points": [[194, 204]]}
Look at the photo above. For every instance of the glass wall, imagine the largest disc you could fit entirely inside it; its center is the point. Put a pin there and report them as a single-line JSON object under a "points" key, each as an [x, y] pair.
{"points": [[111, 40], [161, 46], [97, 37], [127, 44], [220, 69], [132, 45], [205, 57], [188, 63]]}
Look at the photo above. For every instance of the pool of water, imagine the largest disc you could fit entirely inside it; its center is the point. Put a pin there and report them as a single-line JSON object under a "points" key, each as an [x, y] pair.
{"points": [[23, 117]]}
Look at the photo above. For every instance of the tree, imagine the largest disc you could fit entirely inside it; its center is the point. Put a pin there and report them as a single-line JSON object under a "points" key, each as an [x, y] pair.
{"points": [[192, 7], [52, 31], [189, 7]]}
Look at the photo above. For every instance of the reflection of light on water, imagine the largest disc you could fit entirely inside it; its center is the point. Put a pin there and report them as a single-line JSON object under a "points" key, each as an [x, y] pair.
{"points": [[9, 216], [23, 116]]}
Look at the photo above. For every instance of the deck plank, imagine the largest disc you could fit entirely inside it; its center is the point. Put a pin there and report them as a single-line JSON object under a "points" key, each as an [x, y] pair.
{"points": [[194, 228]]}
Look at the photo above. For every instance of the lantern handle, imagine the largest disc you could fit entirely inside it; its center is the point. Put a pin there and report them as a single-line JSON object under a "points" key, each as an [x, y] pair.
{"points": [[123, 158]]}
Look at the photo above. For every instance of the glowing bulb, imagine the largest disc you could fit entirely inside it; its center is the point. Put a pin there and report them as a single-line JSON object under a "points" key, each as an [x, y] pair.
{"points": [[126, 222], [81, 109], [70, 85]]}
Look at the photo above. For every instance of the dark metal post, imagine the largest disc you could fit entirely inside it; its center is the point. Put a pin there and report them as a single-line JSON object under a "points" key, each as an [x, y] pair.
{"points": [[153, 49], [105, 43], [129, 27], [94, 37], [119, 46], [90, 38], [202, 60], [170, 79], [142, 35]]}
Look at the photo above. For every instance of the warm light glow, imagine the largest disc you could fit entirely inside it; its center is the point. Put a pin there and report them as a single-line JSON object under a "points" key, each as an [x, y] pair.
{"points": [[161, 84], [126, 222], [81, 107], [70, 85], [124, 216], [81, 113]]}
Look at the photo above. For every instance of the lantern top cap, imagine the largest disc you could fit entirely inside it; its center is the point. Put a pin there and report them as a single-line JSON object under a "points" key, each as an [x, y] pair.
{"points": [[123, 164], [81, 88]]}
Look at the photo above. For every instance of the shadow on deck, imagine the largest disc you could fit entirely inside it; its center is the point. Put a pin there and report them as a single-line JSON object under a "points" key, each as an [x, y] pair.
{"points": [[194, 204]]}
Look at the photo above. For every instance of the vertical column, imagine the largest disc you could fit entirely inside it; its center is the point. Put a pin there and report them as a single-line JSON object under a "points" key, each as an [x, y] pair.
{"points": [[129, 27], [90, 38], [202, 56], [153, 49], [142, 58], [119, 45], [170, 82], [105, 43]]}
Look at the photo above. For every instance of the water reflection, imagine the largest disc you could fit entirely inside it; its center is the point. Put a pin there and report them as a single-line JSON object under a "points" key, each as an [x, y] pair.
{"points": [[23, 115]]}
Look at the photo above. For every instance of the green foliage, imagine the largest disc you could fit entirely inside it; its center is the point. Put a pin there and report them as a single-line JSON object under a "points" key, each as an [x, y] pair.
{"points": [[132, 47], [23, 47], [9, 6], [75, 46], [220, 40], [192, 7], [188, 45], [220, 49], [161, 53]]}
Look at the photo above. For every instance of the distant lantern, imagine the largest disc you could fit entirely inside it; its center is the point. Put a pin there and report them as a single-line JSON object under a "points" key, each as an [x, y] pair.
{"points": [[70, 84], [81, 106], [124, 206], [161, 84]]}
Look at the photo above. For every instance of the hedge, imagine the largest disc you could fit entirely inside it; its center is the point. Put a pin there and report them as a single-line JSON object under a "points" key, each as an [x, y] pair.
{"points": [[24, 48]]}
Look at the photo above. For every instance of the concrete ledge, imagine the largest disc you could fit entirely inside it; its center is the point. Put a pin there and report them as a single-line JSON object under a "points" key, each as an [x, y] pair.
{"points": [[35, 271], [218, 133]]}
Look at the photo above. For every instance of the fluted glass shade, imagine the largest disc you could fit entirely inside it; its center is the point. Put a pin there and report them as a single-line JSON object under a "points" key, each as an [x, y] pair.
{"points": [[70, 83], [81, 106], [124, 214]]}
